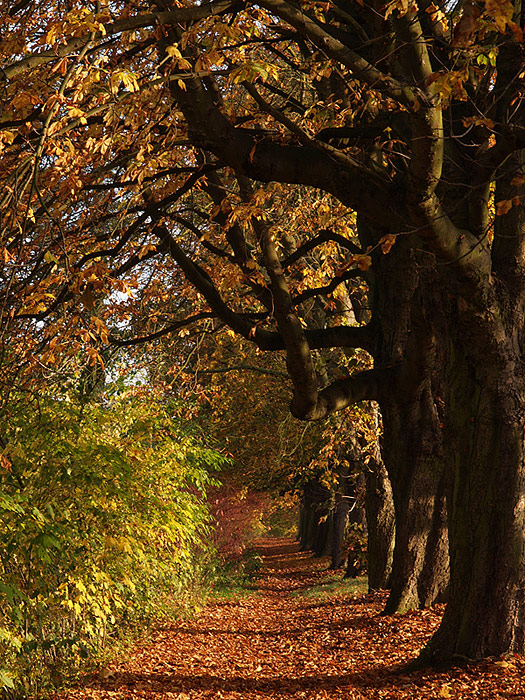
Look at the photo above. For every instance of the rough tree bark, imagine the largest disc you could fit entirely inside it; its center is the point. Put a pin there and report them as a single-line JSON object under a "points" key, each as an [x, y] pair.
{"points": [[486, 451], [340, 517], [380, 517], [412, 432]]}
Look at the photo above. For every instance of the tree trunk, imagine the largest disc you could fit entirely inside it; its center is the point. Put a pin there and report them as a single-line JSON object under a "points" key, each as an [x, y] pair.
{"points": [[323, 535], [348, 505], [485, 614], [338, 531], [308, 522], [381, 526], [420, 567], [485, 426], [420, 560], [411, 445], [315, 520]]}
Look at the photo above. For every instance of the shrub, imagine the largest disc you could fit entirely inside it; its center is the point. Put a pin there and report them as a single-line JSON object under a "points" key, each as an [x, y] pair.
{"points": [[103, 520]]}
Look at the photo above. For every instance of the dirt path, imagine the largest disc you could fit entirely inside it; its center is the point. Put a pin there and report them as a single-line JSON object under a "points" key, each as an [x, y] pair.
{"points": [[284, 642]]}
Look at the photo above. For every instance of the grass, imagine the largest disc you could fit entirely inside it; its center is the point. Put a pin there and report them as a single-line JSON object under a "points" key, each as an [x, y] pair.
{"points": [[330, 587], [236, 579]]}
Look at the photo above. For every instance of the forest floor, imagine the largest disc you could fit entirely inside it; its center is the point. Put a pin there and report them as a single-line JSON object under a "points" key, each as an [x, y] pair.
{"points": [[295, 635]]}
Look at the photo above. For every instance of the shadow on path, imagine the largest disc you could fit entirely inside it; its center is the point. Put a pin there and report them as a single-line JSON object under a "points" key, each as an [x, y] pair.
{"points": [[284, 642]]}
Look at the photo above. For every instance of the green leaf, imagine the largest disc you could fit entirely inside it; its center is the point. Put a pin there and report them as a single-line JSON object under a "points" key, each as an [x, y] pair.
{"points": [[6, 680]]}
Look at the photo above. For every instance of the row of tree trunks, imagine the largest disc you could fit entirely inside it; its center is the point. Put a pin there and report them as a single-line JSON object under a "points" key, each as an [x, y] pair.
{"points": [[363, 501], [315, 518]]}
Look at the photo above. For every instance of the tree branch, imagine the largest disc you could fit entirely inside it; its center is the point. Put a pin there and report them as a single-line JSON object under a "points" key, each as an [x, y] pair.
{"points": [[246, 368], [360, 67], [176, 16], [328, 288], [203, 284], [299, 360], [363, 386], [378, 177], [322, 237], [119, 342]]}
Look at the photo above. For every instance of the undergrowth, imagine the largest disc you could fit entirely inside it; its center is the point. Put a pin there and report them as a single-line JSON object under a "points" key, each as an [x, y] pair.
{"points": [[330, 587], [104, 528], [236, 578]]}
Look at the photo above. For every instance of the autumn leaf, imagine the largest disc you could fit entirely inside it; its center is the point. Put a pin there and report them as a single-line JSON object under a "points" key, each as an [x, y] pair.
{"points": [[501, 11], [5, 463], [400, 7], [6, 256], [249, 641], [173, 52], [146, 249], [363, 262], [387, 242], [61, 66], [478, 121], [503, 207], [438, 16], [468, 24], [448, 85], [7, 136]]}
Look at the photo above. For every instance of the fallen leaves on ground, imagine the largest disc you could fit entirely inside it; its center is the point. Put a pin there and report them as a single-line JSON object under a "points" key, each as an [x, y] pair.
{"points": [[281, 642]]}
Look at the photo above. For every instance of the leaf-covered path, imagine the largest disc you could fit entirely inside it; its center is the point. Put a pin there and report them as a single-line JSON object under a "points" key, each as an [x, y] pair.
{"points": [[296, 638]]}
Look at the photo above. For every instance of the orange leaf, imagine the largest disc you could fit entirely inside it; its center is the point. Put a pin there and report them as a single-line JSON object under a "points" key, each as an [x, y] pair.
{"points": [[363, 262], [503, 207], [387, 242]]}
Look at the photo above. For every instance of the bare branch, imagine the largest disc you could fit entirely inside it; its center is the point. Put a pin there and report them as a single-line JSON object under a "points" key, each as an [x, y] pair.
{"points": [[322, 237], [120, 342], [246, 368], [328, 288], [363, 386]]}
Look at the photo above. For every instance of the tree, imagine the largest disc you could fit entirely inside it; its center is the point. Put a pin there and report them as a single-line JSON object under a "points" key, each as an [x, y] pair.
{"points": [[132, 135]]}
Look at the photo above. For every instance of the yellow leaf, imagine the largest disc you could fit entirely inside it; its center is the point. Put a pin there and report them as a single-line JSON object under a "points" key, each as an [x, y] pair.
{"points": [[145, 250], [445, 691], [50, 258], [75, 112], [173, 51], [128, 79], [60, 67], [130, 82], [53, 33], [8, 136]]}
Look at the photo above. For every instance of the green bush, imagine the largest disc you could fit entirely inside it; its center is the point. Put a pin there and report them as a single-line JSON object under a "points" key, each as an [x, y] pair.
{"points": [[103, 523]]}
